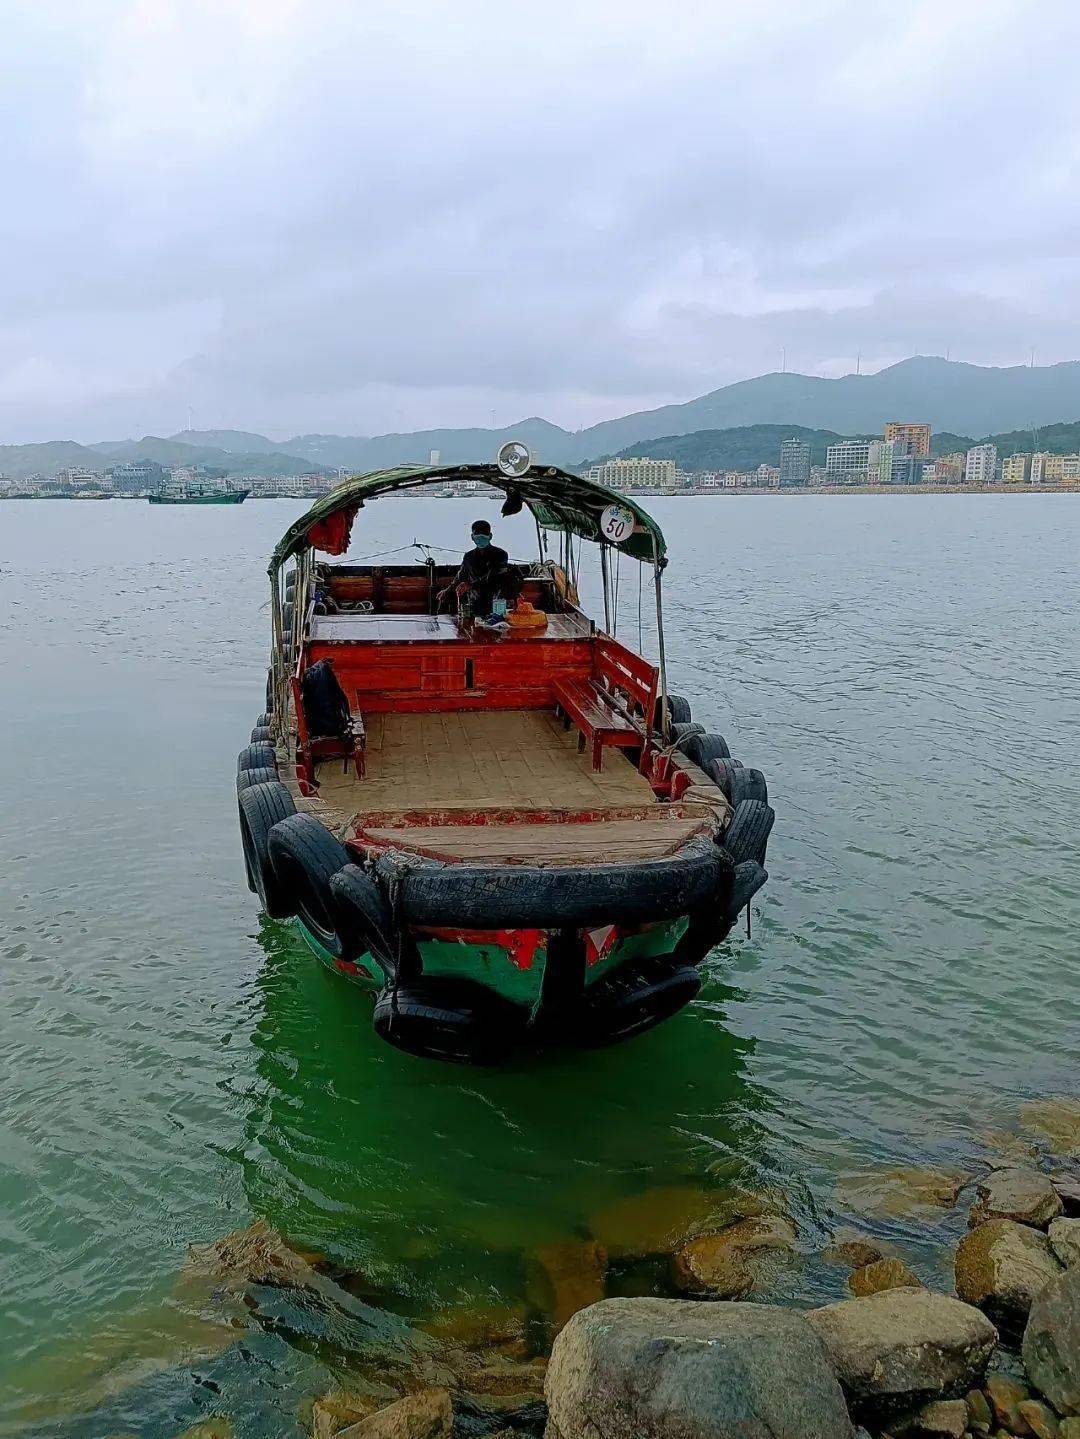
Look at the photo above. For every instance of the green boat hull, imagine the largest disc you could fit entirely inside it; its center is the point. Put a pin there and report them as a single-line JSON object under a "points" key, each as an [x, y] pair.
{"points": [[236, 497]]}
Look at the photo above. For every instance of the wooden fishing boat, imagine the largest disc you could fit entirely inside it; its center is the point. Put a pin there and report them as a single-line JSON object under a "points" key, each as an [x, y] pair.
{"points": [[514, 833]]}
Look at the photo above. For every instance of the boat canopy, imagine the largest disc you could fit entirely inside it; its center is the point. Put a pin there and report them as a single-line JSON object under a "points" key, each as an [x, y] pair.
{"points": [[557, 499]]}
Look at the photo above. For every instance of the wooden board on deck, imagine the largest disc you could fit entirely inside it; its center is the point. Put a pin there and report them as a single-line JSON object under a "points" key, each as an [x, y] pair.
{"points": [[506, 759], [588, 842]]}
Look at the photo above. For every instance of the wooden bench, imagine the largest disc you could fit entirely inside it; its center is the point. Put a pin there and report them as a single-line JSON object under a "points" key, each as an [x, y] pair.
{"points": [[622, 685]]}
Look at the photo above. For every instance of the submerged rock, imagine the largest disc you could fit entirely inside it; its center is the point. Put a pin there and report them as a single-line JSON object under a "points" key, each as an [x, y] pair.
{"points": [[854, 1249], [567, 1277], [881, 1275], [255, 1255], [499, 1328], [1024, 1195], [900, 1191], [1051, 1346], [667, 1367], [1002, 1266], [1056, 1119], [1005, 1396], [219, 1428], [736, 1260], [657, 1220], [427, 1415], [904, 1346], [1064, 1236], [338, 1410]]}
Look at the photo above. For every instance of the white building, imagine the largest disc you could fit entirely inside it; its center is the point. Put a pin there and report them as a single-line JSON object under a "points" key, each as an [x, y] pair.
{"points": [[852, 462], [77, 477], [980, 468], [632, 473]]}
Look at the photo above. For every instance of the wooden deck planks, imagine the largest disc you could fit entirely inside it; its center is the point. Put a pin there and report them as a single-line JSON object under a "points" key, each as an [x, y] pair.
{"points": [[604, 841]]}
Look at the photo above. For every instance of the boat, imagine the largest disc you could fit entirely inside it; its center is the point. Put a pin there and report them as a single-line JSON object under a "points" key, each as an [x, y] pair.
{"points": [[509, 829], [198, 492]]}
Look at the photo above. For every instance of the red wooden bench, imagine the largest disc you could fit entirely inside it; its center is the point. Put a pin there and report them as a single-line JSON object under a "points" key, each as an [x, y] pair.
{"points": [[622, 684], [310, 749]]}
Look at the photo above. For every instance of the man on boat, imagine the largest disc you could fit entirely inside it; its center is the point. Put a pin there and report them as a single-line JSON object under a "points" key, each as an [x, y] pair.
{"points": [[485, 575]]}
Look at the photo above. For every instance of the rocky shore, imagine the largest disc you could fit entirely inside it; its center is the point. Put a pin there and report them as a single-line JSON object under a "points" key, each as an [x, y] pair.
{"points": [[666, 1321]]}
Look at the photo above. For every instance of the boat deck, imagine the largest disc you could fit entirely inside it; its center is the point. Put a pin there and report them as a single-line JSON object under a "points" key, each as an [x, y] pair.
{"points": [[499, 786]]}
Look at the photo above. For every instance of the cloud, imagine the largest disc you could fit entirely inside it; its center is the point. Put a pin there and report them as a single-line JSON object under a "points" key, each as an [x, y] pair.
{"points": [[300, 216]]}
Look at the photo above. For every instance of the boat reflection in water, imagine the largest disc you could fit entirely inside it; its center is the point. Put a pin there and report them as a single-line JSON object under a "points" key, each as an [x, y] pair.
{"points": [[441, 1184]]}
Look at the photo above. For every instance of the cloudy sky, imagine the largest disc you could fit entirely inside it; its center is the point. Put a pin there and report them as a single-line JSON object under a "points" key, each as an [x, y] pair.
{"points": [[356, 216]]}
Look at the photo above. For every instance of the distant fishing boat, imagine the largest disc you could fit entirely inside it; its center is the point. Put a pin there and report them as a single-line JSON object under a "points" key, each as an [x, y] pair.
{"points": [[510, 829], [198, 492]]}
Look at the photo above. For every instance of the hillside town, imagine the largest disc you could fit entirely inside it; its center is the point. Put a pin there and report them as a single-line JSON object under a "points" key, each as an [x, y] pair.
{"points": [[901, 457]]}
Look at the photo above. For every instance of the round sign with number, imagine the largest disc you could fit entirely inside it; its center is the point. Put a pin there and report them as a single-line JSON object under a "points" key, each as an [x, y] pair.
{"points": [[616, 524]]}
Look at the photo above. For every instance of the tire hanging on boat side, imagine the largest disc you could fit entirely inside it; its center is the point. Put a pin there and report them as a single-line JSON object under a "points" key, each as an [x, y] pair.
{"points": [[747, 836], [305, 857], [364, 922], [247, 777], [260, 755], [262, 806], [701, 748]]}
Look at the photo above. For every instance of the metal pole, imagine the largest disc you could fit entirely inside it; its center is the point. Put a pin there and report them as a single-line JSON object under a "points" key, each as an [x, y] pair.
{"points": [[665, 718], [607, 597]]}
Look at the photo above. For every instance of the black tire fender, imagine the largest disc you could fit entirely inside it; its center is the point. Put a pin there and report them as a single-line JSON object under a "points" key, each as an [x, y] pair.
{"points": [[701, 748], [678, 711], [260, 755], [245, 778], [681, 731], [721, 771], [305, 857], [448, 1019], [264, 718], [364, 921], [262, 806], [635, 999], [260, 733], [747, 836], [748, 784], [522, 896], [749, 878]]}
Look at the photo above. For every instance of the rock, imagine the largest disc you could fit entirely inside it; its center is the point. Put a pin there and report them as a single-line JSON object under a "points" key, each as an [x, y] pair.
{"points": [[1067, 1188], [942, 1416], [734, 1261], [219, 1428], [1069, 1429], [1051, 1346], [1001, 1266], [1064, 1236], [904, 1346], [898, 1192], [666, 1367], [335, 1411], [1039, 1419], [506, 1379], [1005, 1397], [1010, 1149], [255, 1255], [980, 1417], [853, 1249], [1024, 1195], [500, 1328], [426, 1415], [1057, 1119], [657, 1220], [884, 1274], [567, 1277]]}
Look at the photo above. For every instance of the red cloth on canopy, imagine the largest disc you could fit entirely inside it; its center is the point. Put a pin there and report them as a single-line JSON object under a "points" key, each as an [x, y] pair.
{"points": [[332, 534]]}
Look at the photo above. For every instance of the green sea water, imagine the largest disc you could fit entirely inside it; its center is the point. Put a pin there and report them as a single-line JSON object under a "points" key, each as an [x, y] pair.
{"points": [[905, 670]]}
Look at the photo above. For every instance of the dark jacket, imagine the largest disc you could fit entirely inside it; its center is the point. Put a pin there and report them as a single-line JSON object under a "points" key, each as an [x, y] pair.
{"points": [[479, 565]]}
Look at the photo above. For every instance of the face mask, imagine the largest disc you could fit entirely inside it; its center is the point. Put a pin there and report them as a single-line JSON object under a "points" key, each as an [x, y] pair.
{"points": [[481, 541]]}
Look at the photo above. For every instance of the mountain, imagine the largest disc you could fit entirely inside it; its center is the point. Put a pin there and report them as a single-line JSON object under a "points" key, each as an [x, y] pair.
{"points": [[967, 399], [20, 461], [239, 442], [742, 448]]}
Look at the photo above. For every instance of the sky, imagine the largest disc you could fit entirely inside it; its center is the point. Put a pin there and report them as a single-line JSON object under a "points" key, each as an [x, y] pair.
{"points": [[294, 216]]}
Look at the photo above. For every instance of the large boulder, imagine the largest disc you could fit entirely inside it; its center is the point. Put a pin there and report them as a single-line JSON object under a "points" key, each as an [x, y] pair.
{"points": [[1064, 1236], [1051, 1346], [735, 1260], [1002, 1266], [903, 1347], [670, 1369], [1024, 1195], [426, 1415]]}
